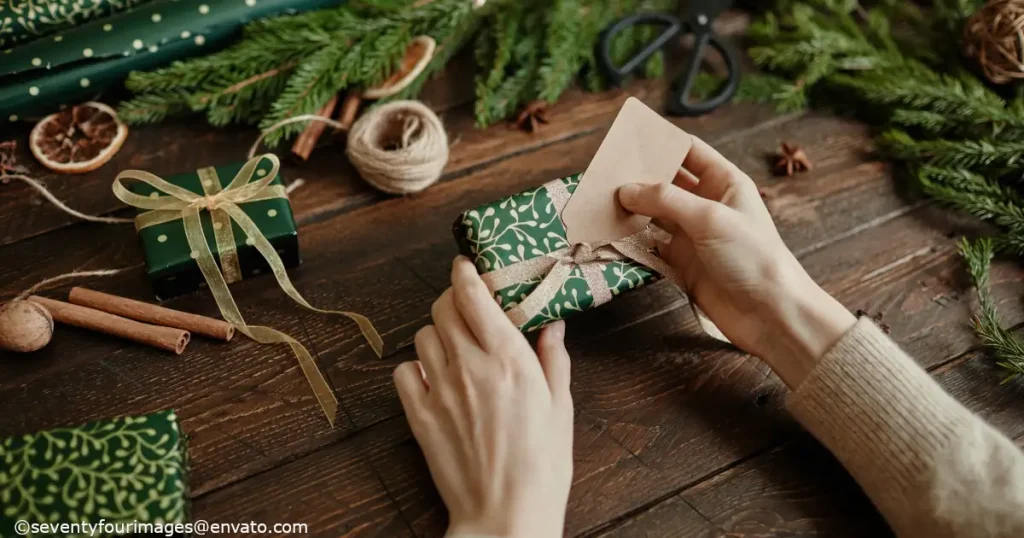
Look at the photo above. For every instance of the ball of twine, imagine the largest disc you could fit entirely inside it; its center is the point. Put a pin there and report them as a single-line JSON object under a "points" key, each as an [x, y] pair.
{"points": [[399, 147], [995, 39]]}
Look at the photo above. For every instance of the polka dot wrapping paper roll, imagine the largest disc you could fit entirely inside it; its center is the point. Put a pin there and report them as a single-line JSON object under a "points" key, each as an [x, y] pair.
{"points": [[77, 64], [170, 262]]}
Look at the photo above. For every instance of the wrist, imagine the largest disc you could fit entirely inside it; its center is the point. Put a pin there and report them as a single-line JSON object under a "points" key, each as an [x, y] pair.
{"points": [[504, 525], [805, 323]]}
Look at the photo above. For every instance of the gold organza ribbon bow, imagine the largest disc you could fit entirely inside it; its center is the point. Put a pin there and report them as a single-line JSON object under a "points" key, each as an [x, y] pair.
{"points": [[180, 203]]}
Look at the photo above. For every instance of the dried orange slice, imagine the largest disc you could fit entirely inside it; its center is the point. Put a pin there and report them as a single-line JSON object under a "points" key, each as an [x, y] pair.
{"points": [[78, 140], [417, 56]]}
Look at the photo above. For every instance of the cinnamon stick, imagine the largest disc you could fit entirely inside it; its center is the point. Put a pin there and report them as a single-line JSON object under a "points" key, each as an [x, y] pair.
{"points": [[349, 109], [151, 313], [166, 338], [306, 142]]}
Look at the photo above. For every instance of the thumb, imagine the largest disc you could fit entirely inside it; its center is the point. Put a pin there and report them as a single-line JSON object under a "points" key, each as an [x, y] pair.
{"points": [[554, 359], [667, 202]]}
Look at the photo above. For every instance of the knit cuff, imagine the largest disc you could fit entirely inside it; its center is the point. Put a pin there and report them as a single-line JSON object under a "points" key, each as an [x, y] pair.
{"points": [[882, 416]]}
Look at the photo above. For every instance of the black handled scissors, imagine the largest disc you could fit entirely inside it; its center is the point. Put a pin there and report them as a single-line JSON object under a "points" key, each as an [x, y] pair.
{"points": [[697, 19]]}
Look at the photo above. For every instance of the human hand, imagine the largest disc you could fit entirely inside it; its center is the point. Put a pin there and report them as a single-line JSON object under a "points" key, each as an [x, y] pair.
{"points": [[493, 417], [733, 264]]}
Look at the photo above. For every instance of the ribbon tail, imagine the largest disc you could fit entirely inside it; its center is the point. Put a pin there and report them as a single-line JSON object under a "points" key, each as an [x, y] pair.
{"points": [[637, 248], [277, 266], [541, 296], [321, 388], [264, 335]]}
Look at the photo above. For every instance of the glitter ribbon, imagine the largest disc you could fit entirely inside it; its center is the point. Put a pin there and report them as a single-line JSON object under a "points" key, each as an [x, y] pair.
{"points": [[185, 205], [555, 267]]}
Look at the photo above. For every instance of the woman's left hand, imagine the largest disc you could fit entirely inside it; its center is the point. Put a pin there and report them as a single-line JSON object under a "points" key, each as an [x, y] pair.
{"points": [[493, 417]]}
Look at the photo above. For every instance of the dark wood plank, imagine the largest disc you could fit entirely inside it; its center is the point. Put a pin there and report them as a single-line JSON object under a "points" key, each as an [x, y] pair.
{"points": [[799, 489], [671, 410], [336, 492], [364, 384]]}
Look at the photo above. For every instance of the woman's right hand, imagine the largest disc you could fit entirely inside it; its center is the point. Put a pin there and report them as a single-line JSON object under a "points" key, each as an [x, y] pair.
{"points": [[733, 264]]}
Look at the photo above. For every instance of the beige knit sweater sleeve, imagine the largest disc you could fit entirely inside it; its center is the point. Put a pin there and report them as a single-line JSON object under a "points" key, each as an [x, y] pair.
{"points": [[932, 468]]}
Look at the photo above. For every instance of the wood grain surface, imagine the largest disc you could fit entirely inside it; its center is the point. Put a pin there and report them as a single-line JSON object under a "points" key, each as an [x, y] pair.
{"points": [[675, 434]]}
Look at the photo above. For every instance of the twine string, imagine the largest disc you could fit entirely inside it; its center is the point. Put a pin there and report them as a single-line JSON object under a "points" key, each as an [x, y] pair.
{"points": [[399, 147], [38, 186]]}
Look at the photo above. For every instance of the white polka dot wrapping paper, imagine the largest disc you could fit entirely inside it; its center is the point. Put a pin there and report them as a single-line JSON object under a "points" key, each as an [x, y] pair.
{"points": [[77, 64]]}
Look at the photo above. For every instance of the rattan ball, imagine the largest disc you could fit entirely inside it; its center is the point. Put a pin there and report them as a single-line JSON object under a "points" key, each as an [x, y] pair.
{"points": [[994, 37]]}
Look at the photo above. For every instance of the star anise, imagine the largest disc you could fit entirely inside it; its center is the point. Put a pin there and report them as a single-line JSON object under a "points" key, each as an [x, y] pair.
{"points": [[792, 160], [532, 116]]}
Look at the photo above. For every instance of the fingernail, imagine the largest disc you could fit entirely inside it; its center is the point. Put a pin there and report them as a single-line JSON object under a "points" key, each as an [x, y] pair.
{"points": [[458, 258]]}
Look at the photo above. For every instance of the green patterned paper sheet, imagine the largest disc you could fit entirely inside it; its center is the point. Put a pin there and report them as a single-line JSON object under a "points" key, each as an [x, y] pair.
{"points": [[23, 20], [121, 470], [525, 226]]}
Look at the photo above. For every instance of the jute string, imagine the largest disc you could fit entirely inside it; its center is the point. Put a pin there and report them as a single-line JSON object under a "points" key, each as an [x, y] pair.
{"points": [[399, 147]]}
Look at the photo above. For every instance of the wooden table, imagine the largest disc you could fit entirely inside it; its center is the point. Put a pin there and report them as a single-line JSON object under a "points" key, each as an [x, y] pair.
{"points": [[675, 435]]}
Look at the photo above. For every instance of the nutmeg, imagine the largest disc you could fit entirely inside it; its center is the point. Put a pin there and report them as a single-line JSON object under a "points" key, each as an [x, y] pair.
{"points": [[24, 326]]}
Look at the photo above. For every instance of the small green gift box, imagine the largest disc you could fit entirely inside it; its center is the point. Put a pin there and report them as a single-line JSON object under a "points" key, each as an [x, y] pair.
{"points": [[104, 477], [171, 263], [521, 242]]}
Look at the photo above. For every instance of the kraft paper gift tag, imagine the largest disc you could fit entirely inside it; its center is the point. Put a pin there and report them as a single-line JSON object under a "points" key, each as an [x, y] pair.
{"points": [[640, 147]]}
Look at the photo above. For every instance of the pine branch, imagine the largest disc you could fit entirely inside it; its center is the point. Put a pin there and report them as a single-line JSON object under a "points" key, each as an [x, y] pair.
{"points": [[1007, 348], [561, 61], [970, 154], [153, 107], [974, 194], [756, 88]]}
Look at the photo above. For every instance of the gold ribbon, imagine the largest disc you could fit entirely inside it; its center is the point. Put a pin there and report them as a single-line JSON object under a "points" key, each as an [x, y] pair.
{"points": [[555, 267], [180, 203]]}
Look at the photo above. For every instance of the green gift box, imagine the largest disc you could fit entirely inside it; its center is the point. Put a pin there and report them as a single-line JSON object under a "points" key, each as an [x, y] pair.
{"points": [[110, 475], [171, 263], [526, 226]]}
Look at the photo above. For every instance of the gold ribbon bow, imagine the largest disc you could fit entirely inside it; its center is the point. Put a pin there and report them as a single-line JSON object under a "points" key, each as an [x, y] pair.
{"points": [[180, 203], [555, 267]]}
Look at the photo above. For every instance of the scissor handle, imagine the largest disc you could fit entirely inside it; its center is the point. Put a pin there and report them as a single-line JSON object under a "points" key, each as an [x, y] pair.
{"points": [[679, 105], [618, 74]]}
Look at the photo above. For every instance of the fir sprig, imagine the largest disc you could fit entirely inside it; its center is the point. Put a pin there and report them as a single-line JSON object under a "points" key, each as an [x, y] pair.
{"points": [[1007, 348], [291, 65], [894, 66]]}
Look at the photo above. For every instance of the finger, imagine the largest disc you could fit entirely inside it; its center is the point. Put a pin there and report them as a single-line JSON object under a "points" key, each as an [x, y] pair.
{"points": [[431, 353], [477, 306], [554, 359], [682, 254], [668, 203], [666, 225], [411, 390], [685, 179], [717, 175], [455, 335]]}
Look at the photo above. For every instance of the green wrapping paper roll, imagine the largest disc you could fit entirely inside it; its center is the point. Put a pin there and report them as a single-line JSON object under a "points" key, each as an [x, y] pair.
{"points": [[24, 20], [118, 471], [75, 65]]}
